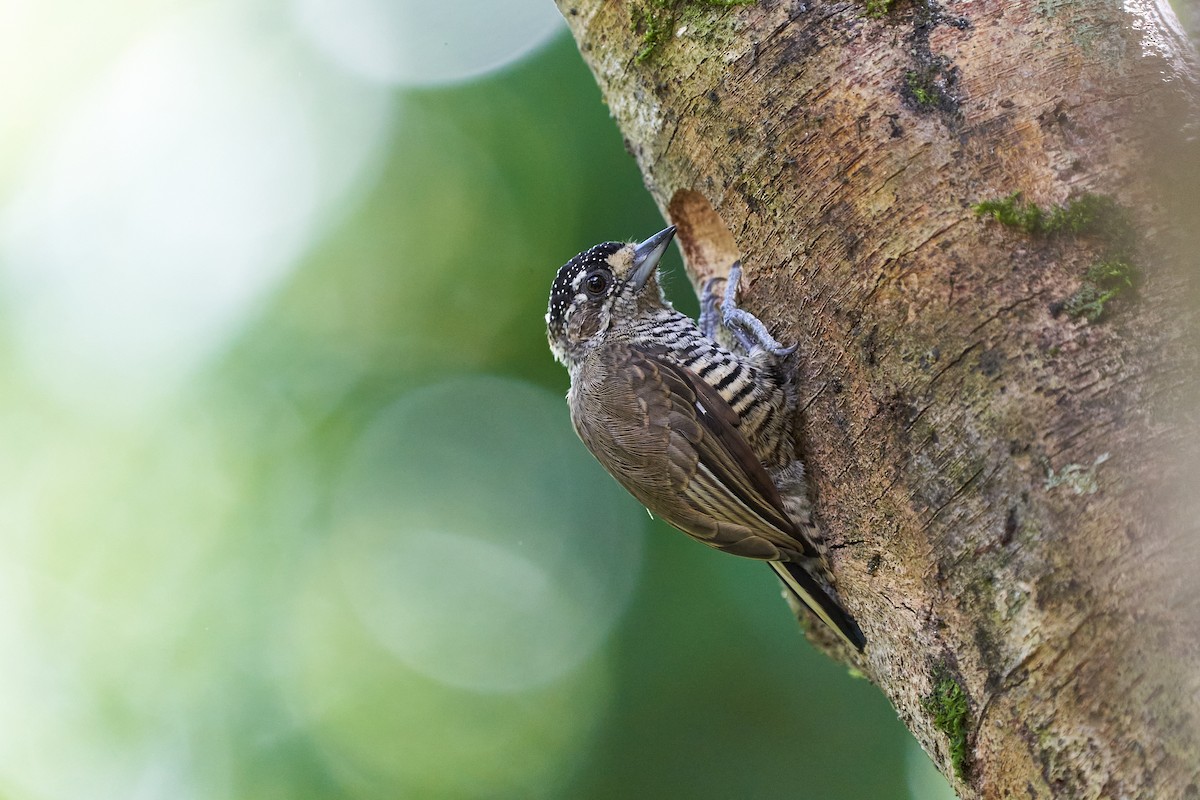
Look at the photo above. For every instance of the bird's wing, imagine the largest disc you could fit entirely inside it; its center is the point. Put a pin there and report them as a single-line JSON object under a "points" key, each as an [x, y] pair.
{"points": [[674, 443]]}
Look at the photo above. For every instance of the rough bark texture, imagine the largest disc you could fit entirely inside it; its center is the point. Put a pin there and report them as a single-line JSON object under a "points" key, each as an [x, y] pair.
{"points": [[1002, 397]]}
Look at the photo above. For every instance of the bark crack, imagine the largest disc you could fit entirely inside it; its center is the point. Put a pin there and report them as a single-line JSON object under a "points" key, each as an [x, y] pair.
{"points": [[952, 498]]}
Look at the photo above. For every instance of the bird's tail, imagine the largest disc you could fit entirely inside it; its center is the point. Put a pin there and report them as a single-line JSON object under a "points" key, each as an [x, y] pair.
{"points": [[818, 598]]}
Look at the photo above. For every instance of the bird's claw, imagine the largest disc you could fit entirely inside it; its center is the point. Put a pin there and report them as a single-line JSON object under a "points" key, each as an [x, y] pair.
{"points": [[749, 330]]}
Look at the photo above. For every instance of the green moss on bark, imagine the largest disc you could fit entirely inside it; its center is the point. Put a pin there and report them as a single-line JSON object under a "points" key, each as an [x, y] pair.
{"points": [[1089, 215], [655, 21], [949, 707], [1086, 215], [1104, 282]]}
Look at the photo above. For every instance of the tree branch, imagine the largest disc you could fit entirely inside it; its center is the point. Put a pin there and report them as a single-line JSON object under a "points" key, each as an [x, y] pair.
{"points": [[967, 215]]}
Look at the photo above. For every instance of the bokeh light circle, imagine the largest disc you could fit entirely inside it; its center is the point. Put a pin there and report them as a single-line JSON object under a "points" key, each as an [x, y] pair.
{"points": [[412, 42], [388, 731], [173, 197], [478, 540]]}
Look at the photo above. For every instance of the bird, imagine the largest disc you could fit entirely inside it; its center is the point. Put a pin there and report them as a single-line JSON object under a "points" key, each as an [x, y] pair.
{"points": [[693, 418]]}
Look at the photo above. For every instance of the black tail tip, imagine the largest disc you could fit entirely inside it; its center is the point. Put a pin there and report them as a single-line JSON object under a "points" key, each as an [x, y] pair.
{"points": [[812, 594], [854, 634]]}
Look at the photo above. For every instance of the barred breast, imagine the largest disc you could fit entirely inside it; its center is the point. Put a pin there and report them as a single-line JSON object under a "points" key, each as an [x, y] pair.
{"points": [[754, 390]]}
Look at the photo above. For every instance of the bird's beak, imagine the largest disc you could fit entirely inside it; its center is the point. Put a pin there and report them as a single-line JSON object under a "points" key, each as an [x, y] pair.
{"points": [[647, 254]]}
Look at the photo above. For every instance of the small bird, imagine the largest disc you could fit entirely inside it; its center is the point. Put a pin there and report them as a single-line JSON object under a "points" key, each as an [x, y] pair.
{"points": [[700, 435]]}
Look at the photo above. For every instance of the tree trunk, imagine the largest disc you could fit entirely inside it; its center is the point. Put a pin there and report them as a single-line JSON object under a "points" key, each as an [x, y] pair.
{"points": [[969, 218]]}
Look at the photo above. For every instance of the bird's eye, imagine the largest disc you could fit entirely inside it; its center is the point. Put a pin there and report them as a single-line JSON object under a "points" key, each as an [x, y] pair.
{"points": [[596, 284]]}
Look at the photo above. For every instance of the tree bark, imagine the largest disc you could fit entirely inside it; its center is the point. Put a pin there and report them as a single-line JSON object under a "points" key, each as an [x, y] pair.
{"points": [[1000, 387]]}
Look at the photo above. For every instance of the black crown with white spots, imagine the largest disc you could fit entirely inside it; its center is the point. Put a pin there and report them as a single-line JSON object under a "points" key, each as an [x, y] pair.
{"points": [[566, 283]]}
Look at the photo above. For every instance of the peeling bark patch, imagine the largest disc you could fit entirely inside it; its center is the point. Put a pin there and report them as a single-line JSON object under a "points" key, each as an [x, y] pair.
{"points": [[948, 705], [1011, 523], [989, 650], [930, 357], [1051, 590], [752, 203], [896, 130], [990, 362], [869, 346], [931, 82], [801, 44]]}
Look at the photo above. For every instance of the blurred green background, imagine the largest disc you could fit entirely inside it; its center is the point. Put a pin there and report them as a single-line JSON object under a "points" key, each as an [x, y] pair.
{"points": [[289, 498]]}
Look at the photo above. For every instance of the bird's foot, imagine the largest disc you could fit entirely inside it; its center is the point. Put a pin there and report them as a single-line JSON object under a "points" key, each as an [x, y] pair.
{"points": [[749, 330]]}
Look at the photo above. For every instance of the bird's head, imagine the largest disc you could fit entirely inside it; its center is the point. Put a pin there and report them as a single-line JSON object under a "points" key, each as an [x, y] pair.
{"points": [[601, 290]]}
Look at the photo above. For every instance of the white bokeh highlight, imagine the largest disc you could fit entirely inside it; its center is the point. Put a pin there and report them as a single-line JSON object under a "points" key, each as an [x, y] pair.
{"points": [[172, 197], [477, 539], [417, 42]]}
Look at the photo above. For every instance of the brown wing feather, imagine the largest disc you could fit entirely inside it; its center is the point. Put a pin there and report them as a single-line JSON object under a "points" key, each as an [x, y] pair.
{"points": [[679, 451]]}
